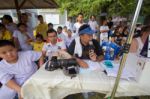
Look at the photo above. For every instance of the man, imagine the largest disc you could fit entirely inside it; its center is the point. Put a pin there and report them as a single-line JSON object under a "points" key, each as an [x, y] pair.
{"points": [[53, 44], [84, 47], [42, 27], [78, 23]]}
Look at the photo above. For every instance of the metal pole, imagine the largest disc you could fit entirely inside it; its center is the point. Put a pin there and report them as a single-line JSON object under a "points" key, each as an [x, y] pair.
{"points": [[123, 60]]}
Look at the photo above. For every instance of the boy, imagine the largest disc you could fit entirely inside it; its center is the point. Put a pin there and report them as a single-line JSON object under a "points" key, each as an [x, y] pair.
{"points": [[53, 44], [15, 68]]}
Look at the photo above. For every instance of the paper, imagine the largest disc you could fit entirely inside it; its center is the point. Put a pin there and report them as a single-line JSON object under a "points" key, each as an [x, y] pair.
{"points": [[92, 66]]}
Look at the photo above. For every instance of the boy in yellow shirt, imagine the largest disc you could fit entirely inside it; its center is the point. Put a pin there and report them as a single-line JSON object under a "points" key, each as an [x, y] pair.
{"points": [[4, 33], [42, 27], [38, 44]]}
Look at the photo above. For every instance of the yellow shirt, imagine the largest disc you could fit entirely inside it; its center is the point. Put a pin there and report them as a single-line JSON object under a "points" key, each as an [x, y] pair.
{"points": [[6, 35], [37, 46], [42, 29]]}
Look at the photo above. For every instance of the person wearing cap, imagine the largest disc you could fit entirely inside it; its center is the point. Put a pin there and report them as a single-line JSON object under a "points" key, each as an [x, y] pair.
{"points": [[81, 47]]}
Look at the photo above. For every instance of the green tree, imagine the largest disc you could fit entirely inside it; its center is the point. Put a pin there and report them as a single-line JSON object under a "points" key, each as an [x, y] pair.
{"points": [[95, 7]]}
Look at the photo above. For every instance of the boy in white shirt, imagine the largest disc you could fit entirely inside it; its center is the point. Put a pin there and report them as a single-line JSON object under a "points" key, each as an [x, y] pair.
{"points": [[15, 68], [53, 44], [78, 23]]}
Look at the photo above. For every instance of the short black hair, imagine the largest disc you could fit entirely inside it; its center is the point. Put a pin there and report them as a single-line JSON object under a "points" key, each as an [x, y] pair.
{"points": [[40, 16], [84, 26], [6, 43], [51, 31], [20, 24], [8, 17], [59, 27], [50, 24]]}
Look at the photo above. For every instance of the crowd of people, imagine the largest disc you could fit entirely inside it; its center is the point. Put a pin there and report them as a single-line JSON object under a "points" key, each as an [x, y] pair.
{"points": [[21, 46]]}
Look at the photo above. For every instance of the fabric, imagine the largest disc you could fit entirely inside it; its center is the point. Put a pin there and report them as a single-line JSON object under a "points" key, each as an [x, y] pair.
{"points": [[85, 49], [76, 27], [19, 71], [49, 48], [55, 85], [42, 29], [11, 27], [93, 25], [140, 45], [6, 35], [87, 30], [22, 40], [68, 40], [78, 47], [37, 46]]}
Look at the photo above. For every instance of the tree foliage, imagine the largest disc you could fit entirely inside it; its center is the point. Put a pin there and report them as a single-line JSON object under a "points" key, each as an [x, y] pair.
{"points": [[95, 7]]}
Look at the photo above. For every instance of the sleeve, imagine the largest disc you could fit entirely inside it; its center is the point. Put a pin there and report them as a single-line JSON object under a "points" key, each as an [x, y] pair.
{"points": [[71, 48], [101, 28], [44, 47], [63, 46], [5, 77], [15, 34], [33, 55]]}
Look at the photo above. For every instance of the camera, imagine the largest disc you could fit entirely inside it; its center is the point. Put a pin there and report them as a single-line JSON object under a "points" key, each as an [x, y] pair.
{"points": [[69, 66]]}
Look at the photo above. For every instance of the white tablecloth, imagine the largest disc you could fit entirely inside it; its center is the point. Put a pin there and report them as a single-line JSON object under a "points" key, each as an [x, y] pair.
{"points": [[55, 85]]}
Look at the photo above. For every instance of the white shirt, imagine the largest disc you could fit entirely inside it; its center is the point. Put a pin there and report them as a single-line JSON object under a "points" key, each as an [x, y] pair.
{"points": [[93, 25], [68, 40], [22, 40], [50, 49], [69, 25], [76, 27], [19, 71]]}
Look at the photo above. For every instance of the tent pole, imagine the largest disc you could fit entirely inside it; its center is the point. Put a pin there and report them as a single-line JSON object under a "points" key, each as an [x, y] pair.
{"points": [[123, 60], [17, 9]]}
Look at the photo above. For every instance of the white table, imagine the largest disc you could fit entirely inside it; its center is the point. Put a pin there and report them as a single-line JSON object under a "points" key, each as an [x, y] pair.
{"points": [[55, 85]]}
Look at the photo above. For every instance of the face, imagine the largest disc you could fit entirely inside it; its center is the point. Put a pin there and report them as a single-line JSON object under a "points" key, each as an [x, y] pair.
{"points": [[9, 53], [80, 18], [52, 37], [93, 18], [59, 30], [40, 19], [22, 28], [69, 33], [85, 38], [24, 18]]}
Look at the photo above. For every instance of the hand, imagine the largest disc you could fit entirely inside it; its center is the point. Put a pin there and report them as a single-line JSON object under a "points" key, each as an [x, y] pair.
{"points": [[82, 63], [92, 55]]}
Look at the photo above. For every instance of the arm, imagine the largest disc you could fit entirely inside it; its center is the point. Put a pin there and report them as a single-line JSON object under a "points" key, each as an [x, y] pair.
{"points": [[13, 85], [134, 46], [17, 44], [41, 60]]}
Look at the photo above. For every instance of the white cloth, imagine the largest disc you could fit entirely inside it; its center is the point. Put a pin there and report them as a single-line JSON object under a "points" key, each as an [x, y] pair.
{"points": [[104, 35], [55, 85], [22, 40], [140, 45], [69, 25], [93, 25], [50, 49], [19, 71], [78, 47], [76, 27], [68, 40]]}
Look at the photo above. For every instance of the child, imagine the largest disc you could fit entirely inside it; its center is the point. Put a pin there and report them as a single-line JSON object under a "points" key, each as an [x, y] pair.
{"points": [[4, 33], [15, 68], [38, 44]]}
